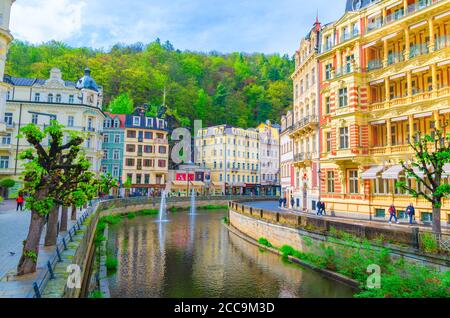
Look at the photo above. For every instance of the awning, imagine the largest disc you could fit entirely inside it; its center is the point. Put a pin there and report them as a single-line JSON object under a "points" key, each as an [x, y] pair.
{"points": [[217, 184], [179, 183], [392, 173], [197, 183], [371, 173], [238, 184]]}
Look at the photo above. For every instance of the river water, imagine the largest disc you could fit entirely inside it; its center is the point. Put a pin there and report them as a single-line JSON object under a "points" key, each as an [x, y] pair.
{"points": [[197, 257]]}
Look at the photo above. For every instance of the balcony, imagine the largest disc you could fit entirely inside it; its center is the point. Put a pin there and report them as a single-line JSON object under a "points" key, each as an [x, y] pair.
{"points": [[374, 65], [305, 125], [349, 36], [5, 146], [395, 58], [399, 14], [303, 159], [387, 150], [442, 42], [418, 49]]}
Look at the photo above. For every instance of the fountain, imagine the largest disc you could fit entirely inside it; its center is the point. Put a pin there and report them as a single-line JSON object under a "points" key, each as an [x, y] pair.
{"points": [[163, 208], [193, 207]]}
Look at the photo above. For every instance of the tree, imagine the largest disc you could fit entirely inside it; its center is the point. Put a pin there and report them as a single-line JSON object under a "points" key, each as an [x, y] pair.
{"points": [[107, 182], [122, 104], [43, 180], [6, 184], [431, 153]]}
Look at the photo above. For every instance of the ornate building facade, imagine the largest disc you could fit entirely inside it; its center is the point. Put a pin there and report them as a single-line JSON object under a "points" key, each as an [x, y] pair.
{"points": [[113, 145], [77, 106], [305, 130], [384, 76], [287, 157], [269, 157]]}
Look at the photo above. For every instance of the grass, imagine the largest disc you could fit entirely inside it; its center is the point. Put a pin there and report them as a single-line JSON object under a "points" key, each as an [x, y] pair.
{"points": [[213, 207], [147, 212], [429, 243], [96, 294]]}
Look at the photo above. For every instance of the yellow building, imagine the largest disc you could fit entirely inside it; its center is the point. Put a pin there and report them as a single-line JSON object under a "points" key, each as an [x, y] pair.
{"points": [[146, 153], [384, 75], [232, 155]]}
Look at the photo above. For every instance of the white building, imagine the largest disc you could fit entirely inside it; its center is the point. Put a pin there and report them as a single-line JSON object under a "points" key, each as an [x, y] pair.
{"points": [[269, 154], [287, 157], [77, 106], [5, 40]]}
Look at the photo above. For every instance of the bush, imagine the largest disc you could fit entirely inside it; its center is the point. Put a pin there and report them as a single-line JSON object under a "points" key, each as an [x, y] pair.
{"points": [[131, 215], [287, 250], [112, 219], [111, 263], [265, 242], [226, 220], [213, 207], [96, 294], [148, 212], [429, 243], [1, 199], [7, 183]]}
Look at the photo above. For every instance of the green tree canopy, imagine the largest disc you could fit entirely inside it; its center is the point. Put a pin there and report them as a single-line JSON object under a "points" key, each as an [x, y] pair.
{"points": [[122, 104]]}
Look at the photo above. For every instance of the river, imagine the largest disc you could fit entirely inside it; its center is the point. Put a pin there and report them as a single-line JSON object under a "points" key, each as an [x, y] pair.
{"points": [[197, 257]]}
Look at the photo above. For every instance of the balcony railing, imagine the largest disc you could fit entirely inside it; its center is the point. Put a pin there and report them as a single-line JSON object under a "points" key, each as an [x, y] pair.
{"points": [[396, 58], [374, 65], [442, 42], [302, 156], [305, 121], [418, 49], [395, 16]]}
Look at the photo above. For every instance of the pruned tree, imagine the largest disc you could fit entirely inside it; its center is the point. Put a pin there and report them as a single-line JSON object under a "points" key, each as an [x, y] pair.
{"points": [[43, 180], [107, 182], [431, 153]]}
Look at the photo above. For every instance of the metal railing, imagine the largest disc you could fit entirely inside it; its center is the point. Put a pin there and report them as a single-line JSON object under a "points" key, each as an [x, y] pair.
{"points": [[439, 242], [310, 119], [49, 274]]}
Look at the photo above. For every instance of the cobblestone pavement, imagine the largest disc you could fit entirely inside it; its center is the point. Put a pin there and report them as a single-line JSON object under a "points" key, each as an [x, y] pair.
{"points": [[274, 206], [13, 230]]}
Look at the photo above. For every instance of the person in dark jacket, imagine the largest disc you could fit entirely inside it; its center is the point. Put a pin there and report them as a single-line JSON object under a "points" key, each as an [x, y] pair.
{"points": [[319, 208], [292, 203], [410, 211], [280, 202]]}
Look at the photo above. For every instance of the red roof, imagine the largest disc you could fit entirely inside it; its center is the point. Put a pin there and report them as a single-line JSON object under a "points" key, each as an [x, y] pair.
{"points": [[120, 116]]}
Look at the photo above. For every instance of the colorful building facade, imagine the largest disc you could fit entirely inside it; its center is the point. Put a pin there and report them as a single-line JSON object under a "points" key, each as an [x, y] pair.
{"points": [[305, 130], [146, 153], [113, 145], [384, 76], [269, 158], [287, 172]]}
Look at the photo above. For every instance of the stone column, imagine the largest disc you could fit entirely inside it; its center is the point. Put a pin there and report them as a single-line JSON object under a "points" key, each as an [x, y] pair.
{"points": [[434, 80], [407, 43], [387, 89], [437, 122], [431, 29], [385, 53], [411, 127], [388, 133]]}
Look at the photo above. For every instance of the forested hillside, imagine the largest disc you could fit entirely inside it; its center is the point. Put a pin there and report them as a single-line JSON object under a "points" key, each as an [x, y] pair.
{"points": [[238, 89]]}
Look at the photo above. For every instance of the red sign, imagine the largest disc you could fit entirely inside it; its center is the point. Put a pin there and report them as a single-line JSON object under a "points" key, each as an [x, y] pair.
{"points": [[182, 177]]}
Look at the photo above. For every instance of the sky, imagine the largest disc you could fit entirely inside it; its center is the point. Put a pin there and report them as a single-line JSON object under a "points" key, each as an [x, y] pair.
{"points": [[267, 26]]}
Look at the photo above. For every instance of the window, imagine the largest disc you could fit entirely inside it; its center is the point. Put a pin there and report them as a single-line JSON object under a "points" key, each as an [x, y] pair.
{"points": [[147, 179], [394, 135], [4, 162], [136, 121], [105, 154], [70, 121], [115, 171], [131, 134], [37, 97], [58, 98], [6, 140], [116, 154], [149, 122], [328, 69], [313, 76], [88, 142], [343, 97], [130, 162], [353, 181], [131, 148], [162, 149], [327, 105], [116, 138], [138, 179], [328, 141], [106, 138], [89, 123], [148, 163], [343, 135], [50, 98], [116, 123], [34, 119], [148, 135], [330, 181], [380, 213], [71, 99], [148, 149], [8, 119], [161, 163]]}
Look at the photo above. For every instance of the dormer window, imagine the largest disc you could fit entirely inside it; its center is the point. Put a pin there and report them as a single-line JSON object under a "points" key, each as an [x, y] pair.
{"points": [[58, 98], [50, 98], [116, 123], [136, 121], [149, 122]]}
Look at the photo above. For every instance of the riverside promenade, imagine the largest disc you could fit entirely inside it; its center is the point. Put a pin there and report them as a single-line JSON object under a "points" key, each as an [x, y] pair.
{"points": [[13, 231], [380, 222]]}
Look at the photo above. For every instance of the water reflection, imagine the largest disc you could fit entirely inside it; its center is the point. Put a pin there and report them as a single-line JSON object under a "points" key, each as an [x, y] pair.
{"points": [[198, 257]]}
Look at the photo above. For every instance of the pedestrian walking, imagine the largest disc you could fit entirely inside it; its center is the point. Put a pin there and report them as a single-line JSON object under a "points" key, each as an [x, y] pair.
{"points": [[324, 212], [20, 202], [393, 214], [280, 202], [285, 203], [319, 208], [292, 203], [411, 212]]}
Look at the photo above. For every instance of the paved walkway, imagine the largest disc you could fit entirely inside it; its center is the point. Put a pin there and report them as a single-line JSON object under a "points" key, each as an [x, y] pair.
{"points": [[13, 230], [274, 206]]}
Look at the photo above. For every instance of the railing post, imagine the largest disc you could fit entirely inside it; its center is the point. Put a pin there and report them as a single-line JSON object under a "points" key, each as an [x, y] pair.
{"points": [[70, 235], [37, 292], [58, 253], [50, 270], [64, 243], [416, 238]]}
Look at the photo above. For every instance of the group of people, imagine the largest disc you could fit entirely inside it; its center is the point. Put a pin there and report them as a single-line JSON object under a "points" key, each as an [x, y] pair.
{"points": [[320, 206], [410, 212]]}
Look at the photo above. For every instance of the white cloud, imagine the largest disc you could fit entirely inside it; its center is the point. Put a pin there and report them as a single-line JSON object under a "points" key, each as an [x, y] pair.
{"points": [[40, 21]]}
